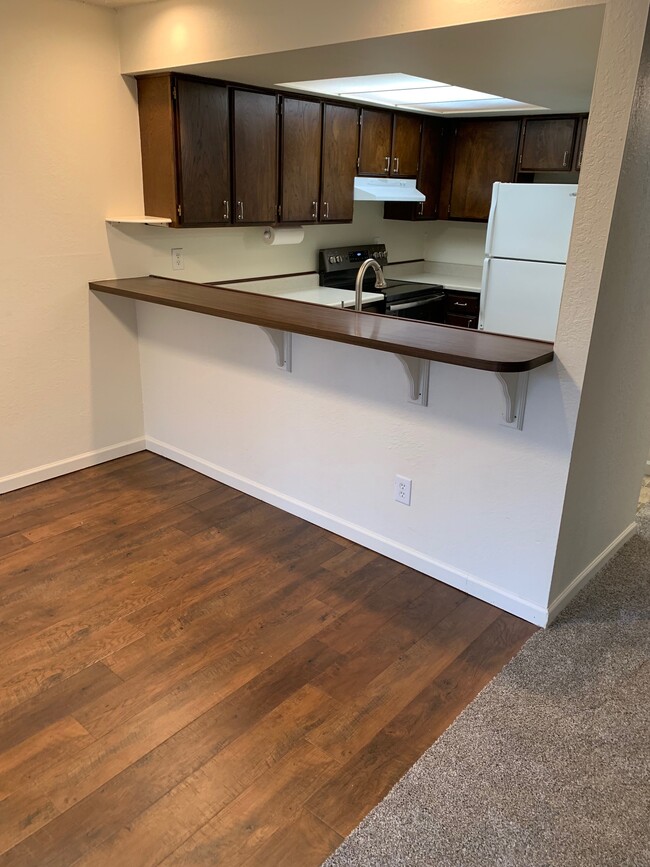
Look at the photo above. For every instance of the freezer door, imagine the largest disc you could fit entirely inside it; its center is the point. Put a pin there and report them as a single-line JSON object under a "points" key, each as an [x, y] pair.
{"points": [[531, 221], [521, 298]]}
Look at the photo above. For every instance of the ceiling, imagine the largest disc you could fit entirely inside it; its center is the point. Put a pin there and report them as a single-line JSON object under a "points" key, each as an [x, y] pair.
{"points": [[548, 59]]}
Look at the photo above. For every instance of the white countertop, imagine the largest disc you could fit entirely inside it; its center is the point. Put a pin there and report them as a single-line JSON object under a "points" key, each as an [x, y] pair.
{"points": [[303, 288], [459, 278]]}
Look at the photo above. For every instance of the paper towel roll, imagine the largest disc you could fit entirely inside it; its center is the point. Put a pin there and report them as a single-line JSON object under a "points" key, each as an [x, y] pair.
{"points": [[276, 237]]}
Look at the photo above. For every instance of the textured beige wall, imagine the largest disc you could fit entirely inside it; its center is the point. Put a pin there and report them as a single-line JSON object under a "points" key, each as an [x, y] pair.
{"points": [[611, 440], [68, 154]]}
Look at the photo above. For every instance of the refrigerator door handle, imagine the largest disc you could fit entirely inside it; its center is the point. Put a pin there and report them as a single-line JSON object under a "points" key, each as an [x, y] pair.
{"points": [[484, 283], [492, 218]]}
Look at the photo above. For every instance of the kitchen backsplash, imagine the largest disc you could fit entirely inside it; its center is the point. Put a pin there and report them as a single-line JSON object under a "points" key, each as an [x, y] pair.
{"points": [[229, 254], [458, 243]]}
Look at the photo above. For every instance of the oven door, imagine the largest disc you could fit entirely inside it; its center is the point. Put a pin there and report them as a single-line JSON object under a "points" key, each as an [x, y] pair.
{"points": [[430, 308]]}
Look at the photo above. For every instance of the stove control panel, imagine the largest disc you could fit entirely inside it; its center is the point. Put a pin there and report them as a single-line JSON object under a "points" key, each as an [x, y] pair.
{"points": [[350, 258]]}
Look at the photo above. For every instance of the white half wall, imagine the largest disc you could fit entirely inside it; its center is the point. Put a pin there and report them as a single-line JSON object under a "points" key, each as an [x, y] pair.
{"points": [[70, 387], [326, 441]]}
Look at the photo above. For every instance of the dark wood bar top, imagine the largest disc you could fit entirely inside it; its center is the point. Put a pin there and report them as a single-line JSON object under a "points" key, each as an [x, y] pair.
{"points": [[462, 346]]}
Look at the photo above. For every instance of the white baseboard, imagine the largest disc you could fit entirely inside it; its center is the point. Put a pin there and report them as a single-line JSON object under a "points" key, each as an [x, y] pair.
{"points": [[70, 465], [470, 584], [589, 571]]}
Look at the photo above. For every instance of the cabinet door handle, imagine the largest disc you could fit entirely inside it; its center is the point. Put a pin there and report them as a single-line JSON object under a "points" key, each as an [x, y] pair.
{"points": [[580, 160], [396, 165], [226, 209], [460, 303], [326, 211], [387, 166], [314, 210], [240, 210], [421, 209], [564, 161]]}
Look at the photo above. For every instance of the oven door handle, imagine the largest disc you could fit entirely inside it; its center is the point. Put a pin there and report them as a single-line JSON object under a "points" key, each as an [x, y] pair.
{"points": [[407, 305]]}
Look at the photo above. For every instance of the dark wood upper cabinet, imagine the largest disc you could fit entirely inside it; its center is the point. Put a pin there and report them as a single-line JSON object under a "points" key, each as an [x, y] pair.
{"points": [[184, 135], [255, 157], [204, 152], [547, 144], [339, 165], [483, 151], [301, 153], [406, 145], [430, 167], [375, 142], [580, 143], [216, 154], [428, 179]]}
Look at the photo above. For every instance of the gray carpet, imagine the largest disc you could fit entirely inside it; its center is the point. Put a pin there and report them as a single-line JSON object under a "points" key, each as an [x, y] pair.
{"points": [[550, 765]]}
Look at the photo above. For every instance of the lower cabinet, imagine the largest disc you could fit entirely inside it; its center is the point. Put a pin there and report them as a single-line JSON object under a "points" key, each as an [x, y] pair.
{"points": [[462, 309]]}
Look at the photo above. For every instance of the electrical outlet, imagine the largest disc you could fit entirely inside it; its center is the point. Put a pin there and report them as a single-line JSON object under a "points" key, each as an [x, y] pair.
{"points": [[178, 260], [403, 490]]}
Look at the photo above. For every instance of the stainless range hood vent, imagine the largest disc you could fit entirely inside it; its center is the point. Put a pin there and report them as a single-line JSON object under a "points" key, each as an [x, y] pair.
{"points": [[386, 190]]}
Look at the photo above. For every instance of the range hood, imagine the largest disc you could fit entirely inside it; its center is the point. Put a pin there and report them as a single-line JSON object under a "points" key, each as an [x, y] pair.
{"points": [[386, 190]]}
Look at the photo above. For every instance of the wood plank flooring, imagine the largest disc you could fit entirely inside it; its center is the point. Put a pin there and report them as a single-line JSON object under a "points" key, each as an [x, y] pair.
{"points": [[191, 677]]}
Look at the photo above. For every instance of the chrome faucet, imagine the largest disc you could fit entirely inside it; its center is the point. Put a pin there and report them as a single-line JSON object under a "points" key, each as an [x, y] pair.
{"points": [[380, 282]]}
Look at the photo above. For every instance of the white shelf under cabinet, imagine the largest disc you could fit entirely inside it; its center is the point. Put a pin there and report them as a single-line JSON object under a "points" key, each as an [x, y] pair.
{"points": [[143, 221]]}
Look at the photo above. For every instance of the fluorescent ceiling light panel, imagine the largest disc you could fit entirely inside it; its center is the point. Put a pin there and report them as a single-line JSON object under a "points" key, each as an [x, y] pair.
{"points": [[423, 95], [398, 90], [496, 104], [359, 83]]}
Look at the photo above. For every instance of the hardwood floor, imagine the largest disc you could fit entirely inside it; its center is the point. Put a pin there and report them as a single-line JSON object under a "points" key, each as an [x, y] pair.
{"points": [[191, 677]]}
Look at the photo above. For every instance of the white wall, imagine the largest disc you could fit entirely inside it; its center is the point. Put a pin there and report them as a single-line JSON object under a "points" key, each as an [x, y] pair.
{"points": [[463, 243], [68, 153], [232, 253]]}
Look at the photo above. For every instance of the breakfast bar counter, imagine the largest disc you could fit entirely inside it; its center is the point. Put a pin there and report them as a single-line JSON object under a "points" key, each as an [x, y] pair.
{"points": [[460, 346]]}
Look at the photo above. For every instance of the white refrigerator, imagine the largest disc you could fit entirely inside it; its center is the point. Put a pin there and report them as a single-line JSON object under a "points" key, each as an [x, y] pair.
{"points": [[525, 256]]}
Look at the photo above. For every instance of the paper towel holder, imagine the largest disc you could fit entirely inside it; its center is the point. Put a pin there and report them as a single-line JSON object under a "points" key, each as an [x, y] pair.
{"points": [[283, 236]]}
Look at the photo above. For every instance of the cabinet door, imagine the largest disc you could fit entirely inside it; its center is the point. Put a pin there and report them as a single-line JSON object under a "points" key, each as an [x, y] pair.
{"points": [[340, 140], [428, 180], [301, 148], [255, 157], [406, 146], [203, 152], [484, 151], [375, 141], [547, 144], [580, 143], [430, 168]]}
